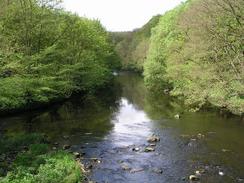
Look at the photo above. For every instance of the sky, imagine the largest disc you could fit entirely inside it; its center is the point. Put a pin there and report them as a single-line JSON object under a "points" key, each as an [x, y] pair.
{"points": [[120, 15]]}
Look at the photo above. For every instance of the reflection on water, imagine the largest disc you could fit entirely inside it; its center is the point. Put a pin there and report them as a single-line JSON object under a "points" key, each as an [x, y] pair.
{"points": [[109, 124], [130, 124]]}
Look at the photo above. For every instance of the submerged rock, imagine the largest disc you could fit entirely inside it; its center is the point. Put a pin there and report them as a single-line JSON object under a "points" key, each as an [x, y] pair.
{"points": [[125, 166], [136, 170], [225, 150], [185, 136], [90, 166], [158, 170], [194, 178], [65, 136]]}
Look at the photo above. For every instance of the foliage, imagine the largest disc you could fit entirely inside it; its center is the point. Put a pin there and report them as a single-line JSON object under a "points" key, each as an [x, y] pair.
{"points": [[43, 168], [38, 164], [197, 51], [132, 46], [51, 54]]}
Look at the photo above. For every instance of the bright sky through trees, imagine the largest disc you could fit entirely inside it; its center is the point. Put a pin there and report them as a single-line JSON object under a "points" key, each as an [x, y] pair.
{"points": [[120, 15]]}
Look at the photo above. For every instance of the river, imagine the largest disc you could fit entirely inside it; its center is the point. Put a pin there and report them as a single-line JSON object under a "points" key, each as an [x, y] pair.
{"points": [[111, 130]]}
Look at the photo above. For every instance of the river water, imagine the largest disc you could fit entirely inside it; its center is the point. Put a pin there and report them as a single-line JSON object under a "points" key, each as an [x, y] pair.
{"points": [[111, 130]]}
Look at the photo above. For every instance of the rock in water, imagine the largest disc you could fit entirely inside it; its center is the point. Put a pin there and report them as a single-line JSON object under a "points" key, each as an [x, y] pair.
{"points": [[194, 178], [77, 155], [200, 136], [158, 170], [66, 137], [136, 149], [177, 116], [126, 167], [221, 173], [149, 149], [153, 139], [136, 170], [66, 146]]}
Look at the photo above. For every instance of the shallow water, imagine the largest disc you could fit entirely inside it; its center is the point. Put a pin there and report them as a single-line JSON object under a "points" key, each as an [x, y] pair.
{"points": [[107, 127]]}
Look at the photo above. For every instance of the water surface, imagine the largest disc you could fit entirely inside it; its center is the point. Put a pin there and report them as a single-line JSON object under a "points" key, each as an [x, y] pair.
{"points": [[108, 126]]}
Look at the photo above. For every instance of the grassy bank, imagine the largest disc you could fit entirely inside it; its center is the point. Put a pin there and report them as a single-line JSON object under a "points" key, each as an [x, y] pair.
{"points": [[29, 159]]}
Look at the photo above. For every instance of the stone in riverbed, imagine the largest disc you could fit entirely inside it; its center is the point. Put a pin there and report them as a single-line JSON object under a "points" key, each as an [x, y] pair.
{"points": [[153, 139], [89, 166], [221, 173], [225, 150], [177, 116], [194, 178], [183, 179], [136, 149], [77, 155], [158, 170], [125, 167], [149, 149], [66, 137], [66, 146], [136, 170], [200, 136], [199, 172]]}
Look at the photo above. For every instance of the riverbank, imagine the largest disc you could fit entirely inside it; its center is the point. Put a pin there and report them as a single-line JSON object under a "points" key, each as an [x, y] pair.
{"points": [[32, 158]]}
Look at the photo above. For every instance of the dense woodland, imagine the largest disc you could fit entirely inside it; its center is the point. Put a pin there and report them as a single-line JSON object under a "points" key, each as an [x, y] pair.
{"points": [[196, 52], [47, 54], [132, 47]]}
